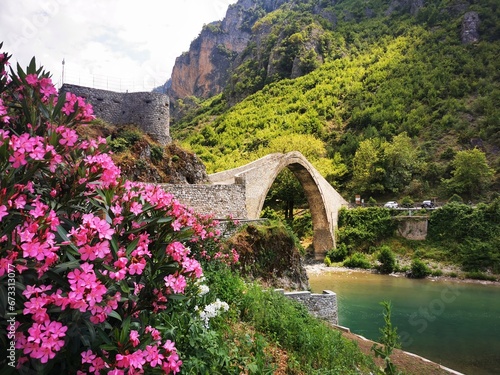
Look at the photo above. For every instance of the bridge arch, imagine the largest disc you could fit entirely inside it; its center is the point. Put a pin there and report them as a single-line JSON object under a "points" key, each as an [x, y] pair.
{"points": [[258, 176]]}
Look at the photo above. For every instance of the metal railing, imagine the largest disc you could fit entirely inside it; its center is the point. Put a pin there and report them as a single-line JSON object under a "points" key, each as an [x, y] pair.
{"points": [[103, 82]]}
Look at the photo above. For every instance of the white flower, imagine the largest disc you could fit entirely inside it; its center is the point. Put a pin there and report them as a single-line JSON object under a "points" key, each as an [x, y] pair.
{"points": [[203, 289], [212, 310]]}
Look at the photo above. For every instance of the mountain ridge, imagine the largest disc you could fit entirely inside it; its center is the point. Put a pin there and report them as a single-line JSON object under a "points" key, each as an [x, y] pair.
{"points": [[377, 77]]}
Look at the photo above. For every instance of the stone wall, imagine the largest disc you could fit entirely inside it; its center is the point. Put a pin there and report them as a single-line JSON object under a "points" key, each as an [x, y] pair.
{"points": [[412, 228], [219, 200], [323, 306], [147, 110]]}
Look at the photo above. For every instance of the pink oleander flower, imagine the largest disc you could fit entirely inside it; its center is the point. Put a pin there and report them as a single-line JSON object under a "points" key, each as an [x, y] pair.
{"points": [[134, 337], [3, 212], [69, 137], [192, 265], [136, 267], [177, 284], [88, 356], [45, 340], [18, 159], [153, 356], [177, 251], [32, 79], [47, 88], [155, 334]]}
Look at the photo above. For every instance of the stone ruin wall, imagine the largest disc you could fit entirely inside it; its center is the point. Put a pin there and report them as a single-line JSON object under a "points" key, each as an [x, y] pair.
{"points": [[323, 306], [147, 110]]}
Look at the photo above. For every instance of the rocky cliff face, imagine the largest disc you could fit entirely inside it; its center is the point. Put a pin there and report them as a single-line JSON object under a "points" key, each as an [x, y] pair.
{"points": [[470, 28], [203, 70]]}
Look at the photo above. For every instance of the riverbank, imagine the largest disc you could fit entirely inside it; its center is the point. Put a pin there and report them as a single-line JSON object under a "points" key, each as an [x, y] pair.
{"points": [[316, 267], [408, 363]]}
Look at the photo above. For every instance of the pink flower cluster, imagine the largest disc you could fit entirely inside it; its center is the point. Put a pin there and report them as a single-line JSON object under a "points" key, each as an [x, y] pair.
{"points": [[84, 242], [154, 355], [3, 113], [44, 341], [44, 85], [73, 102]]}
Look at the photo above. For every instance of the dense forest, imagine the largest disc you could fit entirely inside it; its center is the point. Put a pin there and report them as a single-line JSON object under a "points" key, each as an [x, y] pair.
{"points": [[386, 99]]}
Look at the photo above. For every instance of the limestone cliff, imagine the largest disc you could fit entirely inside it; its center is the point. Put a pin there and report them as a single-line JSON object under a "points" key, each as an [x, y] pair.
{"points": [[203, 70]]}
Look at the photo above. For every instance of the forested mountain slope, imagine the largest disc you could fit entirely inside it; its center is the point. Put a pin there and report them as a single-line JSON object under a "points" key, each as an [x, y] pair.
{"points": [[386, 98]]}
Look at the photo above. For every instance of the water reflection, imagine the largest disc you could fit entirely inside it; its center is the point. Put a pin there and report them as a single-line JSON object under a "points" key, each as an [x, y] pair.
{"points": [[452, 323]]}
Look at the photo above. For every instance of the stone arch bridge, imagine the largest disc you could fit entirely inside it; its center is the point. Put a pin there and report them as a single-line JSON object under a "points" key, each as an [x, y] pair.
{"points": [[241, 192]]}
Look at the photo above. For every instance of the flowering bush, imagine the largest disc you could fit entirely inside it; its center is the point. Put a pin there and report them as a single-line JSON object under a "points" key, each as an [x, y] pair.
{"points": [[97, 259]]}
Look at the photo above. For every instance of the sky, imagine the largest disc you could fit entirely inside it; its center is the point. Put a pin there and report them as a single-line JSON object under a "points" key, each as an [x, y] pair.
{"points": [[117, 45]]}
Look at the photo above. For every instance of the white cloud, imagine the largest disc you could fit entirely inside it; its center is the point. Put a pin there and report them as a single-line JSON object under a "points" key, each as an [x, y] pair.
{"points": [[114, 44]]}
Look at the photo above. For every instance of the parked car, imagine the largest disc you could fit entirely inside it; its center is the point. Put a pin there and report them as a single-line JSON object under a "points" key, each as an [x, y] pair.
{"points": [[427, 204], [391, 204]]}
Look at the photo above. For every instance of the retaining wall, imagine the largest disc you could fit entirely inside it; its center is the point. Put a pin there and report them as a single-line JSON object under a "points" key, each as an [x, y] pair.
{"points": [[323, 306], [218, 200], [147, 110], [413, 228]]}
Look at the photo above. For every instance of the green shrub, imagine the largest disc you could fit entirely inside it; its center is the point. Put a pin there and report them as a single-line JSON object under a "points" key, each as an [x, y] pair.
{"points": [[327, 261], [338, 254], [390, 340], [436, 273], [477, 255], [407, 202], [361, 228], [419, 269], [118, 144], [455, 198], [387, 260], [131, 135], [480, 276], [357, 260], [156, 153]]}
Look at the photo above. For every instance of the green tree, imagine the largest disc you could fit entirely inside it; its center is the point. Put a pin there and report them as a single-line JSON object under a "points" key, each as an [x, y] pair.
{"points": [[471, 174], [367, 173], [401, 162], [286, 192], [387, 260]]}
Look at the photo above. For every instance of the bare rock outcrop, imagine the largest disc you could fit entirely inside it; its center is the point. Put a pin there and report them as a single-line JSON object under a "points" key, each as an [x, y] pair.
{"points": [[470, 28]]}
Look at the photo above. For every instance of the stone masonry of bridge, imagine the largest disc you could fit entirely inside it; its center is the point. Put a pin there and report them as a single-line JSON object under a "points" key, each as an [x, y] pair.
{"points": [[258, 176], [220, 201]]}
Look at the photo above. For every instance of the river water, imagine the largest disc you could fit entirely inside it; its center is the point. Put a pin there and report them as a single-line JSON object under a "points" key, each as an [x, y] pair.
{"points": [[453, 323]]}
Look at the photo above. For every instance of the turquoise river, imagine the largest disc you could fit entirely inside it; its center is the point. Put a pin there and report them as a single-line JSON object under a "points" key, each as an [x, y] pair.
{"points": [[454, 323]]}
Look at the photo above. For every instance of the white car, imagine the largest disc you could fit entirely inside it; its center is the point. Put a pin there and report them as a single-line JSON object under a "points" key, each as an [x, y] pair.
{"points": [[391, 204]]}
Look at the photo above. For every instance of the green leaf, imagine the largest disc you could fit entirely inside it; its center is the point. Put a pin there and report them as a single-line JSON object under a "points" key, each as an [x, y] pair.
{"points": [[109, 347], [124, 334], [57, 110], [124, 287], [104, 336], [64, 236], [66, 266], [131, 246], [114, 245], [115, 315]]}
